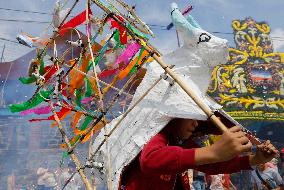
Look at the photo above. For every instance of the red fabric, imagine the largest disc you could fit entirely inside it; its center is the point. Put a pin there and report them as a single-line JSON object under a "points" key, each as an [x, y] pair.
{"points": [[49, 71], [122, 31], [107, 73], [75, 21], [227, 180], [158, 164]]}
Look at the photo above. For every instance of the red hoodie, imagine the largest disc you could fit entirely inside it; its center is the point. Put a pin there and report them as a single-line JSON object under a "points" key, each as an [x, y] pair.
{"points": [[160, 165]]}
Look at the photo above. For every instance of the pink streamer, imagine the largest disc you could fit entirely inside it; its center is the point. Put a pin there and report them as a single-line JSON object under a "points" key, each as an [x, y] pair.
{"points": [[86, 100], [38, 111], [128, 53]]}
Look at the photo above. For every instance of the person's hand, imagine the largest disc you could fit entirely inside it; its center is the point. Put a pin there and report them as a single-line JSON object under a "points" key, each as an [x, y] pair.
{"points": [[264, 153], [231, 143]]}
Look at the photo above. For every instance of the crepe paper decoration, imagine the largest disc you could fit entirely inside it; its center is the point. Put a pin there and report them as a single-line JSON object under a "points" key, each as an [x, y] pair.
{"points": [[36, 100], [27, 80], [49, 71], [78, 98], [41, 67], [117, 40], [107, 73], [87, 100], [137, 32], [122, 31], [86, 135], [32, 78], [94, 85], [89, 90], [38, 111], [131, 67], [75, 21], [86, 123], [61, 114], [76, 119], [72, 142], [76, 77], [128, 53], [96, 128], [101, 54]]}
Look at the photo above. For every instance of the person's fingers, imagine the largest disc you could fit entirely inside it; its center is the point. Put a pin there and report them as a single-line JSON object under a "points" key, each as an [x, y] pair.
{"points": [[239, 134], [235, 129], [243, 140], [246, 147]]}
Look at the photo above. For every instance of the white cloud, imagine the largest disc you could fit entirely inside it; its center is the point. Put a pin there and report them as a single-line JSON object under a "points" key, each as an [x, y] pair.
{"points": [[277, 36]]}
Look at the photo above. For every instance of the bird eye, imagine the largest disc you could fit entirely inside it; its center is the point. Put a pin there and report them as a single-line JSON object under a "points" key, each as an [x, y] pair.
{"points": [[204, 38]]}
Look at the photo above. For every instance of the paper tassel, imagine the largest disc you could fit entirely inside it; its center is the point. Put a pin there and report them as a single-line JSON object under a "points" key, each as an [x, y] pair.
{"points": [[27, 80], [39, 98], [101, 54], [86, 100], [89, 90], [107, 73], [122, 31], [61, 114], [76, 77], [38, 111], [137, 32], [86, 123], [128, 53], [78, 97], [77, 20], [132, 64]]}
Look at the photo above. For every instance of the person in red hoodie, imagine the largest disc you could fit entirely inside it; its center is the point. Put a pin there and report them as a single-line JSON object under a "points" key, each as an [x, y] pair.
{"points": [[162, 161]]}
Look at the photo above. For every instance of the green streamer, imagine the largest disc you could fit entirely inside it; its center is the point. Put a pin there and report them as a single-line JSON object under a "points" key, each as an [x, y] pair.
{"points": [[33, 102], [78, 99], [86, 123], [27, 80], [117, 40], [41, 67], [134, 68], [89, 90], [137, 32]]}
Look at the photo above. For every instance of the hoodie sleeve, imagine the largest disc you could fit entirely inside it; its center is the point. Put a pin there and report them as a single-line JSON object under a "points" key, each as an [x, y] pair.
{"points": [[159, 158], [234, 165]]}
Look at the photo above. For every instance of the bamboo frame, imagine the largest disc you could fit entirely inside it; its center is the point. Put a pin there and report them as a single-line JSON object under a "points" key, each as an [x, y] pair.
{"points": [[72, 155]]}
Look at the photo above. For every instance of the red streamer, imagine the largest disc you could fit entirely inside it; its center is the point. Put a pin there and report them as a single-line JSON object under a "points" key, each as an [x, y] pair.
{"points": [[122, 31], [77, 20]]}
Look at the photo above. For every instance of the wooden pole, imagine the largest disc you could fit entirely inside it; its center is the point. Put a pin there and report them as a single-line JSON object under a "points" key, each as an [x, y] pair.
{"points": [[72, 155]]}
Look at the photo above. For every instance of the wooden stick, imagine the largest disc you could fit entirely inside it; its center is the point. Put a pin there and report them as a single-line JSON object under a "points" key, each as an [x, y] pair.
{"points": [[72, 155]]}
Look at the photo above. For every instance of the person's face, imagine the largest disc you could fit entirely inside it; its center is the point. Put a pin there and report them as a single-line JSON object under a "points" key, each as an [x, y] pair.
{"points": [[187, 127]]}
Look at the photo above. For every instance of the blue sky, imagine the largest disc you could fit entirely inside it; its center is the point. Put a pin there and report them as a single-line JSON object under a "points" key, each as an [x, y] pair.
{"points": [[212, 15]]}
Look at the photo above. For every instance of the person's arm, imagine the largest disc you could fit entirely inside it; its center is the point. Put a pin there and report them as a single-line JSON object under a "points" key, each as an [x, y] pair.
{"points": [[234, 165], [157, 157]]}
